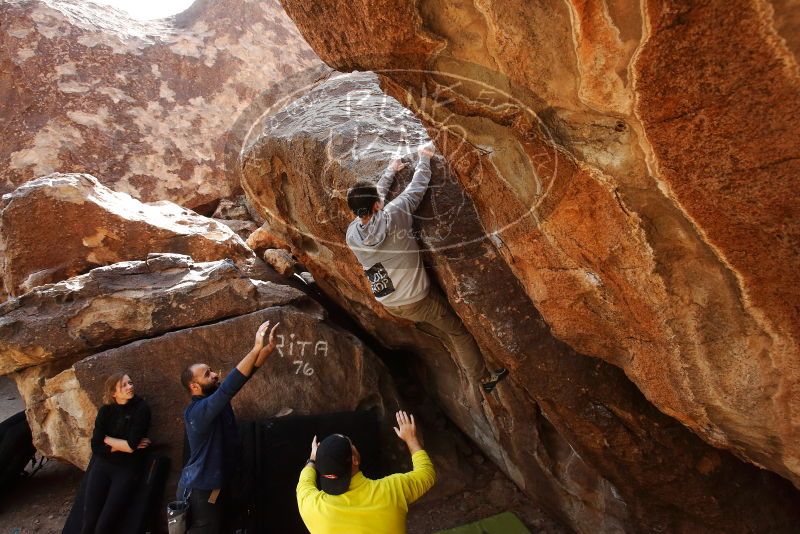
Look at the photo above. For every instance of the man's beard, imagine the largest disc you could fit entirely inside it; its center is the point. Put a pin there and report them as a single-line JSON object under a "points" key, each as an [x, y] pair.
{"points": [[210, 388]]}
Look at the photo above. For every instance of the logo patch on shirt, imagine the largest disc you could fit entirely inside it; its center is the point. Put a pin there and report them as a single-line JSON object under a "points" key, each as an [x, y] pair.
{"points": [[379, 279]]}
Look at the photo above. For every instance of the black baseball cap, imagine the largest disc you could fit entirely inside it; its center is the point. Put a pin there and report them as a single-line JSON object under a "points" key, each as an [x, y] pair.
{"points": [[334, 464]]}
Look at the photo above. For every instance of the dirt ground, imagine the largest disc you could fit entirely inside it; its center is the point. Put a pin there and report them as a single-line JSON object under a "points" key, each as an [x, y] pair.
{"points": [[489, 494], [40, 504], [469, 487]]}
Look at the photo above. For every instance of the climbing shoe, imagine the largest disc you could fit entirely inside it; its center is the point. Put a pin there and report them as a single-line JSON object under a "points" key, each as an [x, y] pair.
{"points": [[496, 377]]}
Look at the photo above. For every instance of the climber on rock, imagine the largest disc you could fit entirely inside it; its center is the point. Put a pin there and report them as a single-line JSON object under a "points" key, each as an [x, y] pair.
{"points": [[382, 239]]}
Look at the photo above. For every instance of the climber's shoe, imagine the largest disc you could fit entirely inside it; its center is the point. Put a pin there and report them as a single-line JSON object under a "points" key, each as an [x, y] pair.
{"points": [[496, 377]]}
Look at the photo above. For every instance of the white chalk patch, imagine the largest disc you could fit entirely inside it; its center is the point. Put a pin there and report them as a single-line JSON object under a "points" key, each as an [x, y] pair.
{"points": [[72, 86], [20, 33], [46, 24], [116, 95], [211, 56], [47, 144], [188, 46], [66, 69], [23, 55], [165, 92], [91, 120], [119, 44], [592, 278]]}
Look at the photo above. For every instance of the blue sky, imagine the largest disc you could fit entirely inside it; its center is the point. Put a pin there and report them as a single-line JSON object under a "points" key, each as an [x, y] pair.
{"points": [[148, 9]]}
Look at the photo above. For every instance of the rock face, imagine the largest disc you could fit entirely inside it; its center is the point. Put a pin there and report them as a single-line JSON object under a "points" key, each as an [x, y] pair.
{"points": [[280, 260], [311, 355], [235, 214], [146, 106], [113, 305], [62, 225], [570, 429], [639, 165]]}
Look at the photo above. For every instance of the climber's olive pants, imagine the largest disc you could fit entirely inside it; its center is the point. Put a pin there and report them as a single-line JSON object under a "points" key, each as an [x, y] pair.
{"points": [[434, 316]]}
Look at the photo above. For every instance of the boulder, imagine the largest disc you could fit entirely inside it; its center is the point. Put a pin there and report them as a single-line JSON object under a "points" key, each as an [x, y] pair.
{"points": [[264, 239], [63, 225], [233, 209], [280, 260], [147, 106], [638, 164], [571, 430], [243, 229], [316, 368], [111, 306], [237, 215]]}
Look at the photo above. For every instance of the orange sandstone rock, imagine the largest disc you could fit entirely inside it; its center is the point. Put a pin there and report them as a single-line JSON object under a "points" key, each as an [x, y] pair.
{"points": [[639, 164], [147, 106], [570, 429], [63, 225]]}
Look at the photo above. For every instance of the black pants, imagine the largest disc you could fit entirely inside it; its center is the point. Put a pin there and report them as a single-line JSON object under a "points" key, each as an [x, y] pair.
{"points": [[109, 488], [204, 517]]}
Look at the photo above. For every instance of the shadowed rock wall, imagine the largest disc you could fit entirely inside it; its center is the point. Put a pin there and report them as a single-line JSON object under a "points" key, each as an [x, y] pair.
{"points": [[570, 429], [639, 164], [62, 411]]}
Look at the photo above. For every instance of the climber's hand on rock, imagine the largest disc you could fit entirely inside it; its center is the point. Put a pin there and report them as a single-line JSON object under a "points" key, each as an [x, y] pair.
{"points": [[428, 149], [144, 443], [406, 430], [397, 165], [267, 349], [259, 342]]}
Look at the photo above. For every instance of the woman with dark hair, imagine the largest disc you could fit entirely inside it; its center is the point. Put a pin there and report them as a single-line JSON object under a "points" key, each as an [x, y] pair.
{"points": [[118, 439]]}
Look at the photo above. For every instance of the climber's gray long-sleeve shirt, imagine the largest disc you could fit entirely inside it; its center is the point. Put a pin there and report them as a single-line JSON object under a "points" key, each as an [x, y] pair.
{"points": [[386, 246]]}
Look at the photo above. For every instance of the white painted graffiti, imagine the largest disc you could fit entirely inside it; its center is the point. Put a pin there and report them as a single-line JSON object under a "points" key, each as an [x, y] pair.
{"points": [[289, 346]]}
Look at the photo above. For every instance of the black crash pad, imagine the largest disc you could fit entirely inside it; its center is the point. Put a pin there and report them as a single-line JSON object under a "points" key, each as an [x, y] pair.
{"points": [[274, 453]]}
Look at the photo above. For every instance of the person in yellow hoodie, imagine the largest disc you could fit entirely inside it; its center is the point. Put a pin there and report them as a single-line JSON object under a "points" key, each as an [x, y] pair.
{"points": [[334, 497]]}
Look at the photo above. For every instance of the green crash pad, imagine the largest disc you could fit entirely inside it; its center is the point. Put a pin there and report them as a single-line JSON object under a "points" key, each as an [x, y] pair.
{"points": [[505, 523]]}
